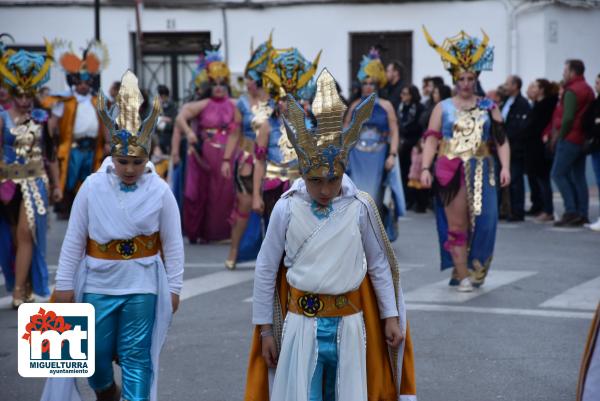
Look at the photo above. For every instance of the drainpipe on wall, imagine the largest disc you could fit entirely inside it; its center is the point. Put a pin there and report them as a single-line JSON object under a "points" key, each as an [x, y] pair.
{"points": [[513, 12], [225, 35]]}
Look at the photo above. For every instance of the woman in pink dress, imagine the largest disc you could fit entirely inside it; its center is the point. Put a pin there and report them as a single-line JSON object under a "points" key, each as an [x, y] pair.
{"points": [[209, 193]]}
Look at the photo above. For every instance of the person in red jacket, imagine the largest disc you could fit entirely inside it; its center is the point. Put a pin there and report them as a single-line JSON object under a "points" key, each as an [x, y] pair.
{"points": [[568, 170]]}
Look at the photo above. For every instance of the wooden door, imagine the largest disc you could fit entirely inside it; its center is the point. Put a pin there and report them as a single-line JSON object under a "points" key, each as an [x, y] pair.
{"points": [[394, 46]]}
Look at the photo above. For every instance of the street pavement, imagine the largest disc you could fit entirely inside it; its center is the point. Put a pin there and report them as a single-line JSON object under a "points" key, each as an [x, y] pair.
{"points": [[519, 338]]}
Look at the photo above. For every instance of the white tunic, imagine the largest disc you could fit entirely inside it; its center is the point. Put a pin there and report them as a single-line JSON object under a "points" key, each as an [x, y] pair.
{"points": [[104, 213], [329, 256], [279, 239], [86, 117]]}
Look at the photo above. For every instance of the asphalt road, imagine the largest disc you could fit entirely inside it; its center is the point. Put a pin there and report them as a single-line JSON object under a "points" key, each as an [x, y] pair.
{"points": [[519, 338]]}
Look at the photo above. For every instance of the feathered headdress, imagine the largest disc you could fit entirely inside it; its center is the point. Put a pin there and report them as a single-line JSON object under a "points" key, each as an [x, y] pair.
{"points": [[81, 67], [130, 136], [259, 59], [25, 72], [463, 53], [372, 67], [323, 149], [288, 72], [210, 65]]}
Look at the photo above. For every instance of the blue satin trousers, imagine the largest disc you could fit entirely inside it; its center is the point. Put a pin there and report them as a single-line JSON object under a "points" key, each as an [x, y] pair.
{"points": [[124, 326], [322, 387]]}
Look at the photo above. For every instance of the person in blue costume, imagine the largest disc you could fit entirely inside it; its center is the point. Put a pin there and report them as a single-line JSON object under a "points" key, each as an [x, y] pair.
{"points": [[24, 189], [246, 232], [276, 168], [123, 253], [462, 131], [373, 164]]}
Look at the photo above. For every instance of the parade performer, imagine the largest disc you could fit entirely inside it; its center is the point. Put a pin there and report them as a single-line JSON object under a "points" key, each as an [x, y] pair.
{"points": [[373, 164], [81, 135], [462, 131], [588, 388], [27, 150], [124, 218], [345, 335], [288, 72], [209, 192], [246, 233]]}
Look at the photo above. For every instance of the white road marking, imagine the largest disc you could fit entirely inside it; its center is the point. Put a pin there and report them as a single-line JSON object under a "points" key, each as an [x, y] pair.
{"points": [[191, 287], [564, 229], [213, 282], [584, 296], [499, 311], [441, 292], [508, 225], [6, 302], [218, 264]]}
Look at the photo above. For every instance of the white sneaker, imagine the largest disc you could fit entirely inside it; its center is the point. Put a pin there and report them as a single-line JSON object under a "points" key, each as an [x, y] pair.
{"points": [[595, 226], [465, 285]]}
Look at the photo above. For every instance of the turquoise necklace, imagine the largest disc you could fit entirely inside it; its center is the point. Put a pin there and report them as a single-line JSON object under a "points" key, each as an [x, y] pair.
{"points": [[321, 212], [127, 188]]}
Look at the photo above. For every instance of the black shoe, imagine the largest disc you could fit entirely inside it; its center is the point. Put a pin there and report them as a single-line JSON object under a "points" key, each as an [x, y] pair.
{"points": [[113, 393], [567, 220], [533, 212], [580, 221], [515, 219]]}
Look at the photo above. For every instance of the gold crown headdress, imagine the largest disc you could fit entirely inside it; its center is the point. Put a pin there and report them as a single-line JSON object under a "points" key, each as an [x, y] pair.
{"points": [[25, 72], [130, 136], [259, 59], [372, 67], [289, 72], [323, 150], [462, 53], [211, 66]]}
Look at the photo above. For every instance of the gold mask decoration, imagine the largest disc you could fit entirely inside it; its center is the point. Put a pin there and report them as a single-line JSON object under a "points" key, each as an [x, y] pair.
{"points": [[25, 77], [323, 150], [463, 53], [130, 136]]}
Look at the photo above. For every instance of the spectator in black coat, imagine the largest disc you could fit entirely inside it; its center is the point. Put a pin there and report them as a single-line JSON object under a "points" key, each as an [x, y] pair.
{"points": [[409, 113], [394, 73], [591, 126], [514, 112], [538, 159]]}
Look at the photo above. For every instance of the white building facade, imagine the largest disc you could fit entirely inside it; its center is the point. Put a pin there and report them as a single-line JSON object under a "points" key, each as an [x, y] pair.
{"points": [[531, 39]]}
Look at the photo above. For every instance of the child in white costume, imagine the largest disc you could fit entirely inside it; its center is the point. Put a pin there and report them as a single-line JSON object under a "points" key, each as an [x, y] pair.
{"points": [[123, 253], [345, 335]]}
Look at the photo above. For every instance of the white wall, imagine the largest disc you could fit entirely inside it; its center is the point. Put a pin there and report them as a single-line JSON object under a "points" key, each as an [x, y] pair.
{"points": [[327, 27], [578, 32], [531, 50]]}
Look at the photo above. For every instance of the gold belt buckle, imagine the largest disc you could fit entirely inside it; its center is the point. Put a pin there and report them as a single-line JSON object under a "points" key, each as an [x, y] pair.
{"points": [[310, 305], [126, 248]]}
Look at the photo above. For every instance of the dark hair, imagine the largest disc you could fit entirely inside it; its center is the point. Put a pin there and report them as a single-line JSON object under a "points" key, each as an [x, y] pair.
{"points": [[515, 79], [426, 79], [415, 96], [549, 88], [444, 90], [576, 66], [163, 90], [397, 66], [437, 81]]}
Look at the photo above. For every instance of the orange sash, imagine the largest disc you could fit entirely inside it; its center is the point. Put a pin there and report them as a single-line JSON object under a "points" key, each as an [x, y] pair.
{"points": [[141, 246], [380, 377], [65, 127], [591, 344]]}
